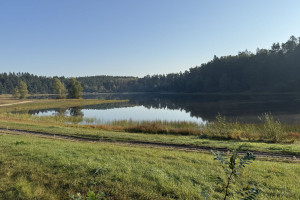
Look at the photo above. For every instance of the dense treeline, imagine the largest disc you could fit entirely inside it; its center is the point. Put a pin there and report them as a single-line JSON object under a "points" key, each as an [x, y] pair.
{"points": [[105, 83], [44, 85], [273, 70], [268, 70], [35, 84]]}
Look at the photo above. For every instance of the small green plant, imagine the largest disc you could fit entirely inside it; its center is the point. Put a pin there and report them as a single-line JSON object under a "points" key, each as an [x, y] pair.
{"points": [[232, 165], [89, 196], [20, 143], [76, 197]]}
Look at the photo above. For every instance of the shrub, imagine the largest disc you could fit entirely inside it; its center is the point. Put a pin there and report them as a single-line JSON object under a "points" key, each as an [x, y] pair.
{"points": [[272, 129], [218, 129], [250, 132], [232, 165]]}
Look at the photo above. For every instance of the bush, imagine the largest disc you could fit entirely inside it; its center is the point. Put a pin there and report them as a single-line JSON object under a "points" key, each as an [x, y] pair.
{"points": [[233, 164], [219, 129], [250, 132], [272, 129]]}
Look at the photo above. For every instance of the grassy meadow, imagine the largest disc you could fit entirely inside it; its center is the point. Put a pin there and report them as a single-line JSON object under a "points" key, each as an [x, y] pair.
{"points": [[39, 168], [32, 167], [97, 133]]}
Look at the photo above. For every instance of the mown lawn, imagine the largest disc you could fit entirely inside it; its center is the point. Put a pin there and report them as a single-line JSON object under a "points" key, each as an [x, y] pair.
{"points": [[39, 168]]}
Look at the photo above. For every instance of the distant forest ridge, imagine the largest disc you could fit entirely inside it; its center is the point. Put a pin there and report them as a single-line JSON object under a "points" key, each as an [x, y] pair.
{"points": [[268, 70]]}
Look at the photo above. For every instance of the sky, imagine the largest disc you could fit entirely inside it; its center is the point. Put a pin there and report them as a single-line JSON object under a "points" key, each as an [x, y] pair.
{"points": [[136, 37]]}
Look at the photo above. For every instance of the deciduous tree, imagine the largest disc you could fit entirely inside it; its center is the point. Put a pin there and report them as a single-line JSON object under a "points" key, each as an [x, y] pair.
{"points": [[23, 90], [16, 92], [74, 89], [59, 88]]}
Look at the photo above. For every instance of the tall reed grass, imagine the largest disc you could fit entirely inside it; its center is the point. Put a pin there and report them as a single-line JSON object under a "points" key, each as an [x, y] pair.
{"points": [[270, 130]]}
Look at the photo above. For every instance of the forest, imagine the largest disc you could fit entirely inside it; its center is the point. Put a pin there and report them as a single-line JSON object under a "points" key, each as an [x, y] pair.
{"points": [[267, 70]]}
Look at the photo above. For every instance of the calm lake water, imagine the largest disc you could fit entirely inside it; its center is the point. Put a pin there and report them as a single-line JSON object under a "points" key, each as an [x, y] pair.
{"points": [[184, 107]]}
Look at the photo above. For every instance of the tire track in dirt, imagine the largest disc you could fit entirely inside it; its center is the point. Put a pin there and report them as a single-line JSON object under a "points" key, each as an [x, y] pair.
{"points": [[185, 147]]}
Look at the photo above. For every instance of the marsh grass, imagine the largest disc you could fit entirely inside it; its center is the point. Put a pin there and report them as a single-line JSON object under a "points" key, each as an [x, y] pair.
{"points": [[39, 168], [269, 130], [156, 127], [160, 127], [220, 128], [108, 133]]}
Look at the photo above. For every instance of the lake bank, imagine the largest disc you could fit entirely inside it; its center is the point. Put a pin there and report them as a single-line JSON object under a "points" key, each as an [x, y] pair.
{"points": [[111, 134], [33, 104]]}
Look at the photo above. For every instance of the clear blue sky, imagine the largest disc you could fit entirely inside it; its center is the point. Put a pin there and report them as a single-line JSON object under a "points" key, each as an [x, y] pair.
{"points": [[136, 37]]}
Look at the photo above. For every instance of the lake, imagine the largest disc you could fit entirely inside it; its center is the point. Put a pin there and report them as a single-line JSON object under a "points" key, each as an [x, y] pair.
{"points": [[186, 107]]}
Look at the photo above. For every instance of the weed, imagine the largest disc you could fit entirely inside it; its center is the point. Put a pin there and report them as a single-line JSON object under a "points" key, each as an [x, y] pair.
{"points": [[89, 196], [20, 143]]}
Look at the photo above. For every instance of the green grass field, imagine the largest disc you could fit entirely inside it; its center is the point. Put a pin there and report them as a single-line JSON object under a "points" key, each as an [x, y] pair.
{"points": [[32, 167], [38, 168], [85, 132]]}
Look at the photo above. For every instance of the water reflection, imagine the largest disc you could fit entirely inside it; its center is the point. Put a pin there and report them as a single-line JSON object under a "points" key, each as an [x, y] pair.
{"points": [[244, 108], [199, 108], [72, 111], [76, 111], [95, 115], [61, 111]]}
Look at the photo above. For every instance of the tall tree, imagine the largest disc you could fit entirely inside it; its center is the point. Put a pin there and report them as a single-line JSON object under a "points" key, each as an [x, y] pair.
{"points": [[23, 90], [59, 88], [74, 89], [16, 93]]}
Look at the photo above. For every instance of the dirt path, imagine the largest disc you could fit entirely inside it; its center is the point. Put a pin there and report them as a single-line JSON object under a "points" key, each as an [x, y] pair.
{"points": [[10, 104], [271, 155]]}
